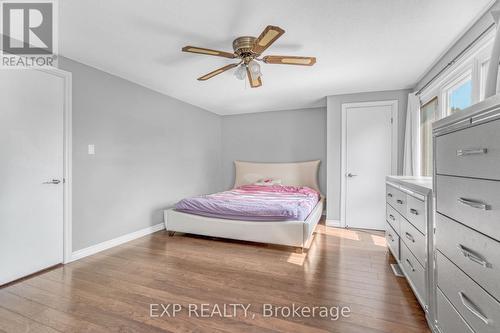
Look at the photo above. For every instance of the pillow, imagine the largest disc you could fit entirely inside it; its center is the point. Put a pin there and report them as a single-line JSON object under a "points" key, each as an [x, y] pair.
{"points": [[268, 181]]}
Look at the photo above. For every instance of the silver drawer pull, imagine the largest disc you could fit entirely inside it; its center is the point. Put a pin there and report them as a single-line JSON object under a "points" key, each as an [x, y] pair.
{"points": [[392, 217], [472, 307], [413, 211], [473, 151], [471, 255], [410, 237], [399, 201], [411, 266], [53, 181], [389, 195], [474, 203], [390, 237]]}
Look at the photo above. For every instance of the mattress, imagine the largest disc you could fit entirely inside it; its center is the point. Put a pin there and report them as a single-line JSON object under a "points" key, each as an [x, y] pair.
{"points": [[254, 203]]}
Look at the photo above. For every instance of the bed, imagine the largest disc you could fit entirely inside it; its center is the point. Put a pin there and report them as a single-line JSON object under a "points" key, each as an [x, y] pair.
{"points": [[284, 214]]}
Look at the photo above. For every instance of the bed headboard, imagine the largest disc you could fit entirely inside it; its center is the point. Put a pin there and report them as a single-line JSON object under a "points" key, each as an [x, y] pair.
{"points": [[299, 173]]}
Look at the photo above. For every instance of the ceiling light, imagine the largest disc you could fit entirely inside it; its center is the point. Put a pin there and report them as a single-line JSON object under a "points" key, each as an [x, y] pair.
{"points": [[254, 68], [241, 72]]}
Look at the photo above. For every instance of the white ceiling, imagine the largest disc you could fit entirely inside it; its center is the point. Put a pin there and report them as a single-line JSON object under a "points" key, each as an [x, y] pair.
{"points": [[361, 45]]}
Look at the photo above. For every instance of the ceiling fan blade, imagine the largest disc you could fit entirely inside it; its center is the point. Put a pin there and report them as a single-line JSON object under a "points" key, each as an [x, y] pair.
{"points": [[255, 82], [266, 38], [290, 60], [216, 72], [201, 50]]}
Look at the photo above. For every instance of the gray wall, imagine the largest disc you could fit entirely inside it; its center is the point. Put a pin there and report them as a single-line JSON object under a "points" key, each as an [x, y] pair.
{"points": [[151, 151], [334, 140], [475, 30], [278, 136]]}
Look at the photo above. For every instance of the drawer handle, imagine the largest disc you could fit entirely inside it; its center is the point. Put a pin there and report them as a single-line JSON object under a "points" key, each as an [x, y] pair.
{"points": [[409, 264], [413, 211], [392, 217], [474, 204], [390, 237], [471, 255], [472, 307], [389, 195], [410, 237], [473, 151], [399, 201]]}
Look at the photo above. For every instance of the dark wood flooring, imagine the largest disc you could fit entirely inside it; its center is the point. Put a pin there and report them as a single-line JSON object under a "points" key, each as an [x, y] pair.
{"points": [[112, 291]]}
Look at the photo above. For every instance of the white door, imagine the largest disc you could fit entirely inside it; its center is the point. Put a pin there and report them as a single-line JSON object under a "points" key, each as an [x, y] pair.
{"points": [[368, 160], [31, 150]]}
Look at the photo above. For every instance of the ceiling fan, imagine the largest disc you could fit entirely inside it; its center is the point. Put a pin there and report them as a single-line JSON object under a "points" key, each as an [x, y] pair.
{"points": [[248, 50]]}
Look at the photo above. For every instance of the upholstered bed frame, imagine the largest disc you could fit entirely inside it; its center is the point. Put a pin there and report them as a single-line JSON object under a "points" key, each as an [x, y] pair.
{"points": [[292, 233]]}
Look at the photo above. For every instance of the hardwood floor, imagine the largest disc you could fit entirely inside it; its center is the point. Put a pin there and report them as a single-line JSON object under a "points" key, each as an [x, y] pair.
{"points": [[113, 291]]}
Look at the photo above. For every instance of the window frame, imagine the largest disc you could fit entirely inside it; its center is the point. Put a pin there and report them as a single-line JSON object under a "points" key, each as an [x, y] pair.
{"points": [[483, 68], [472, 61], [483, 60]]}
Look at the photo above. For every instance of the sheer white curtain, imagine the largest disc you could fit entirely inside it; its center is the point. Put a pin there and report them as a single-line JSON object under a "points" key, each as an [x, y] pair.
{"points": [[411, 158]]}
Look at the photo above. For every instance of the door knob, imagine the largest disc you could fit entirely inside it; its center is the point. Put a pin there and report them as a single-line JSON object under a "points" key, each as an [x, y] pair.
{"points": [[53, 181], [350, 175]]}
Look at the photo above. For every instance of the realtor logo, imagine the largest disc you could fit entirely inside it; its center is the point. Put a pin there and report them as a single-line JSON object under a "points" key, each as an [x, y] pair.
{"points": [[28, 33]]}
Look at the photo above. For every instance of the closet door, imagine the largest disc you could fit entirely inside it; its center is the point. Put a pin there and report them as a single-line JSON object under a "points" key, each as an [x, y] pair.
{"points": [[368, 160], [31, 172]]}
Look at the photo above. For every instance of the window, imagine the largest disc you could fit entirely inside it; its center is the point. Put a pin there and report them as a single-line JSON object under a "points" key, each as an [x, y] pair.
{"points": [[459, 94], [482, 83], [428, 114], [460, 97]]}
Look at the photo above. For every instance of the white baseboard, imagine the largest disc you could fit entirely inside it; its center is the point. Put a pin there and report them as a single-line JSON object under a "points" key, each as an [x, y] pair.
{"points": [[332, 223], [88, 251]]}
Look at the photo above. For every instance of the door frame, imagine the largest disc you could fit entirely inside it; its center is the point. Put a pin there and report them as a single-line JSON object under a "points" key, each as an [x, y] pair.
{"points": [[394, 143], [67, 160]]}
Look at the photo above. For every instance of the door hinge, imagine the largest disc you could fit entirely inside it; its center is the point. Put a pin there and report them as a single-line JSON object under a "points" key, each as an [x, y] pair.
{"points": [[392, 120]]}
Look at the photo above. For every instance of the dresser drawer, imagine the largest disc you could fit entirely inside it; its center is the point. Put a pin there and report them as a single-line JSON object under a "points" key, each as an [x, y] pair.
{"points": [[400, 203], [390, 194], [473, 303], [397, 199], [415, 241], [476, 254], [393, 218], [415, 213], [472, 152], [473, 202], [448, 319], [392, 240], [414, 272]]}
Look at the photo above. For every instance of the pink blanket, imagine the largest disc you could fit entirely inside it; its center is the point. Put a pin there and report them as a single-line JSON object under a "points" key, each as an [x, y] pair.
{"points": [[255, 203]]}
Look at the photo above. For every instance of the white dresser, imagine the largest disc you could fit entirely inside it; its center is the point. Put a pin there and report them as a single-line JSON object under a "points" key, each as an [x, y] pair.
{"points": [[467, 223], [409, 219]]}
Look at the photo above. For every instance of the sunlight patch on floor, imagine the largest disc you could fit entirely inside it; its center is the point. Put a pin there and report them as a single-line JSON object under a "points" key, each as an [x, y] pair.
{"points": [[378, 240], [309, 258], [296, 258], [338, 232]]}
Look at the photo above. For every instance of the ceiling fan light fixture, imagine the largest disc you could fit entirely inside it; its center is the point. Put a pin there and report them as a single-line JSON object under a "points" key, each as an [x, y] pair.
{"points": [[254, 68], [248, 50], [240, 72]]}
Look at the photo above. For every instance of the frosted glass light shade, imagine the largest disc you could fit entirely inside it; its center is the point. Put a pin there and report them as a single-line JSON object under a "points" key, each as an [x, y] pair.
{"points": [[254, 68], [240, 72]]}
